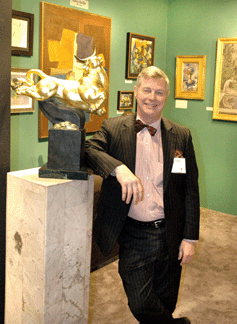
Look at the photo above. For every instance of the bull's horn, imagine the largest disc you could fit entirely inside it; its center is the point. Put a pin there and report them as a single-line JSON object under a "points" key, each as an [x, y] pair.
{"points": [[87, 58]]}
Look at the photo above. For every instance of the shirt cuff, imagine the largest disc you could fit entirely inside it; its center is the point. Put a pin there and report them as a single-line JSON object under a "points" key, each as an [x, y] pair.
{"points": [[113, 173], [190, 241]]}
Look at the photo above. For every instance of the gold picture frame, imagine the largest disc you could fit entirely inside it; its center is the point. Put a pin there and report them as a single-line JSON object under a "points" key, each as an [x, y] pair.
{"points": [[225, 91], [190, 77], [59, 28], [19, 103]]}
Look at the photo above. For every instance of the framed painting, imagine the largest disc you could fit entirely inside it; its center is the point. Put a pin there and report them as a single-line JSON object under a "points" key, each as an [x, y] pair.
{"points": [[22, 33], [21, 104], [66, 32], [140, 54], [225, 92], [190, 77], [125, 100]]}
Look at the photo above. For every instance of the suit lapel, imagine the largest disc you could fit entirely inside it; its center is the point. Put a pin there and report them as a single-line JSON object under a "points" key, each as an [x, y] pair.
{"points": [[128, 139], [168, 144]]}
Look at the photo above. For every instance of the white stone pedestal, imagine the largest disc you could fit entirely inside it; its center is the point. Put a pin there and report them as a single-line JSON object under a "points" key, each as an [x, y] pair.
{"points": [[49, 224]]}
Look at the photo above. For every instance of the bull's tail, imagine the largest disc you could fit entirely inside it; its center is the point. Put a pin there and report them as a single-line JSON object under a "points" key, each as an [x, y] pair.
{"points": [[29, 76]]}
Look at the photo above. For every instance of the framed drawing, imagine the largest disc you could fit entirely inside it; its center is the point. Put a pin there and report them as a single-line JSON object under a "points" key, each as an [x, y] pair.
{"points": [[20, 104], [125, 100], [225, 93], [66, 32], [22, 33], [190, 77], [140, 54]]}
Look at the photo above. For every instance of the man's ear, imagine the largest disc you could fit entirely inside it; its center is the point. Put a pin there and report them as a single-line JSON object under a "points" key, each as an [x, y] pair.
{"points": [[135, 91]]}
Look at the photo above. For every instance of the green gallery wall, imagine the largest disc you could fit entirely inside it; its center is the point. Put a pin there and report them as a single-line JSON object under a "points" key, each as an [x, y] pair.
{"points": [[181, 27]]}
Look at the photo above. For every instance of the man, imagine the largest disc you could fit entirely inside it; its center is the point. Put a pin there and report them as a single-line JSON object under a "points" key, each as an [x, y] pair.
{"points": [[149, 199]]}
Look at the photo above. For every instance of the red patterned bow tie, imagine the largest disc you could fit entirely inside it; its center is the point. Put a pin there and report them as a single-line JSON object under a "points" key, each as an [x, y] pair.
{"points": [[139, 125]]}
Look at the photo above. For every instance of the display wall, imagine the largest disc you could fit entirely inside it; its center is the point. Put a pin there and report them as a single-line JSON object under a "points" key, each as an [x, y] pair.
{"points": [[193, 29], [181, 28], [127, 16]]}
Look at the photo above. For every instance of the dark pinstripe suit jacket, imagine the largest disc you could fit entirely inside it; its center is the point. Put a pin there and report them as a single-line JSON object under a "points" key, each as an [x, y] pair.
{"points": [[115, 144]]}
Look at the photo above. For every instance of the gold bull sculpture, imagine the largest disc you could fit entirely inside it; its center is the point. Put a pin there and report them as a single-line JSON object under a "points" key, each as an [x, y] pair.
{"points": [[88, 93]]}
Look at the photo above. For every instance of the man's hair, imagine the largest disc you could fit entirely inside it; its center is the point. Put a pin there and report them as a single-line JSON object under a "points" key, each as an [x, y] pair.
{"points": [[153, 72]]}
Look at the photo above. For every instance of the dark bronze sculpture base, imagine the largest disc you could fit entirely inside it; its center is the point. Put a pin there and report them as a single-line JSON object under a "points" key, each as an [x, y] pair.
{"points": [[45, 172], [66, 148]]}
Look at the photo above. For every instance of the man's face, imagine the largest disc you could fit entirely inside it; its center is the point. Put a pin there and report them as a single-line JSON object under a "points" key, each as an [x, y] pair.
{"points": [[151, 98]]}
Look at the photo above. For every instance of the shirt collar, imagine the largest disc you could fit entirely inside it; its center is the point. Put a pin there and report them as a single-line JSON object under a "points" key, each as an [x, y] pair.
{"points": [[156, 124]]}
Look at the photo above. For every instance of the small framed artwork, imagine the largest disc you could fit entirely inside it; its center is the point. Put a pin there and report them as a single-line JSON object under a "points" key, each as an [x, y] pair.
{"points": [[125, 100], [22, 33], [190, 77], [19, 103], [140, 54], [225, 93]]}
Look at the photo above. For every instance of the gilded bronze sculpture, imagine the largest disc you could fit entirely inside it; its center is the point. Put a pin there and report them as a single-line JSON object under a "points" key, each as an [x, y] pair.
{"points": [[63, 103], [89, 93]]}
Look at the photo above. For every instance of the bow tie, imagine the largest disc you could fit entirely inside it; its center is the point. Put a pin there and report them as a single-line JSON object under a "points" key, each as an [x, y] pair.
{"points": [[139, 125]]}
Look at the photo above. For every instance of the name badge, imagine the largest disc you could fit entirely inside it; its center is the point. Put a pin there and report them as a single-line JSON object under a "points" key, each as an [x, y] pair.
{"points": [[179, 165]]}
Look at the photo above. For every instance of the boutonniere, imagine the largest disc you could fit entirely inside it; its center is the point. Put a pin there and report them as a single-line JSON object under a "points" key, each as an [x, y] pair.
{"points": [[178, 154]]}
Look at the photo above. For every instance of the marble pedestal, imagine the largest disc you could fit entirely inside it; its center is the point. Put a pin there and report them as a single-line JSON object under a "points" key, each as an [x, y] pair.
{"points": [[49, 225]]}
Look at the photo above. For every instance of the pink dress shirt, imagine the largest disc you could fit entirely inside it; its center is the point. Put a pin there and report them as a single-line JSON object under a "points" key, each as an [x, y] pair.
{"points": [[149, 169]]}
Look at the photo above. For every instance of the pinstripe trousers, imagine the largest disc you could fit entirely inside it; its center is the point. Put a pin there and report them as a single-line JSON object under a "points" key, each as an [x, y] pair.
{"points": [[150, 276]]}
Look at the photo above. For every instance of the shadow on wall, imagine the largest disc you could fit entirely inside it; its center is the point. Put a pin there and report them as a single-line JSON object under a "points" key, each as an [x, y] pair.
{"points": [[40, 161]]}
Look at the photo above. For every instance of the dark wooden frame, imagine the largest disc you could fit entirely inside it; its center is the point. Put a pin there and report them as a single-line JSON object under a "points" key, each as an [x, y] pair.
{"points": [[120, 104], [28, 50], [145, 59]]}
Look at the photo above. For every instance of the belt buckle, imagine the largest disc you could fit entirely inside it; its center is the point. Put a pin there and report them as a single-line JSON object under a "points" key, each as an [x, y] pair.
{"points": [[156, 223]]}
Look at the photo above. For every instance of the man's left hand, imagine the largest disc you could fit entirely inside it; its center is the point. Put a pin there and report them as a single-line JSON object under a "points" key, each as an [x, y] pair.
{"points": [[186, 251]]}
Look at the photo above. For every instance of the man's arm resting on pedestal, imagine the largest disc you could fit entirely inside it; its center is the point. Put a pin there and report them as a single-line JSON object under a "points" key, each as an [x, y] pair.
{"points": [[131, 185]]}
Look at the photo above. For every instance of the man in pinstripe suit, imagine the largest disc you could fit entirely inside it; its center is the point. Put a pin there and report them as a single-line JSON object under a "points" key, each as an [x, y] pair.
{"points": [[149, 199]]}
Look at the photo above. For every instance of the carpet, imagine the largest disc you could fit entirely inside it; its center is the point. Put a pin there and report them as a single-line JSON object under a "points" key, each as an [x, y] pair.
{"points": [[208, 290]]}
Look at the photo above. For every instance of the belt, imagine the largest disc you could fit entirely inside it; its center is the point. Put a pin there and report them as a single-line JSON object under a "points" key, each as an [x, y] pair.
{"points": [[157, 224]]}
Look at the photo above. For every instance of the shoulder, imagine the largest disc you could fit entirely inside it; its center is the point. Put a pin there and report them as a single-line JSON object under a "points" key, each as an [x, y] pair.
{"points": [[173, 127], [119, 121]]}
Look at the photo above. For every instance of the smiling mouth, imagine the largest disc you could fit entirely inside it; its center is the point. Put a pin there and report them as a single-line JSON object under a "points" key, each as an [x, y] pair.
{"points": [[151, 105]]}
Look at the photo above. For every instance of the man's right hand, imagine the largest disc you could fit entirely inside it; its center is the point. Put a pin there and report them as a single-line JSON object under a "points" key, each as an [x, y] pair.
{"points": [[131, 185]]}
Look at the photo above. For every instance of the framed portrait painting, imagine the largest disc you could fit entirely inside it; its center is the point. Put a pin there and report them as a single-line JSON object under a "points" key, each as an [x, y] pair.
{"points": [[190, 77], [140, 54], [225, 92], [125, 100], [22, 33], [19, 103]]}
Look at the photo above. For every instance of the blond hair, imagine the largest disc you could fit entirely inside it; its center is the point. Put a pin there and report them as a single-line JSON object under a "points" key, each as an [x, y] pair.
{"points": [[153, 72]]}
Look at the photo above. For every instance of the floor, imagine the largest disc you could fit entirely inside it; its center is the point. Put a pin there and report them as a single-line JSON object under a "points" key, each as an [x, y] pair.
{"points": [[208, 291]]}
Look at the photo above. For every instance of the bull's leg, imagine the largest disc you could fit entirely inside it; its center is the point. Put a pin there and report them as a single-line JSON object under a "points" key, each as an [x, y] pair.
{"points": [[100, 112], [92, 95], [73, 99]]}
